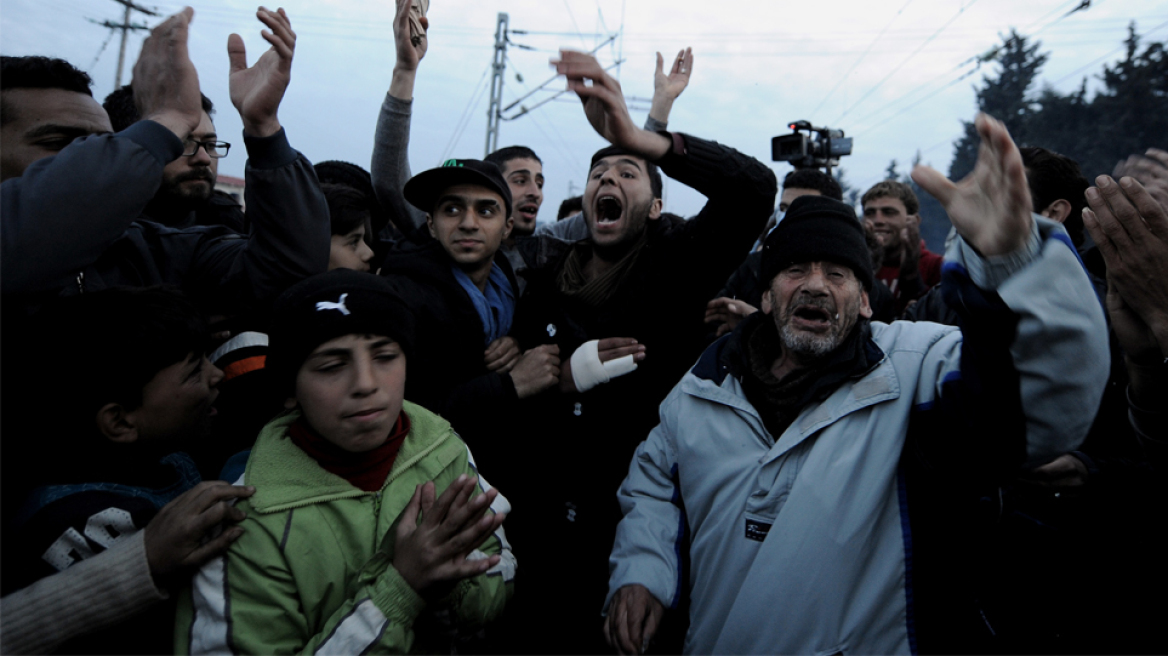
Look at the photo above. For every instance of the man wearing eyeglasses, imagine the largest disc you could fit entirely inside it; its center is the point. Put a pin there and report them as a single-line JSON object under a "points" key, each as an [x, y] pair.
{"points": [[187, 195], [76, 197]]}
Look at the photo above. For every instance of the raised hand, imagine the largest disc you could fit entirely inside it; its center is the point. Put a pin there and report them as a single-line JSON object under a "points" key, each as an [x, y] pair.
{"points": [[179, 538], [410, 48], [257, 91], [1151, 169], [667, 88], [607, 350], [1131, 230], [166, 84], [434, 551], [604, 105], [991, 206]]}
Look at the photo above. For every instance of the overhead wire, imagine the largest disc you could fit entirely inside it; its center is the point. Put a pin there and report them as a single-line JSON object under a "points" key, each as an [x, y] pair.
{"points": [[1105, 56], [861, 58], [464, 120], [926, 42], [574, 24]]}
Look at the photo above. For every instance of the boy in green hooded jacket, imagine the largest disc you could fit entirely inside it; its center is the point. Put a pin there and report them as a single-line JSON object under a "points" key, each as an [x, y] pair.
{"points": [[369, 519]]}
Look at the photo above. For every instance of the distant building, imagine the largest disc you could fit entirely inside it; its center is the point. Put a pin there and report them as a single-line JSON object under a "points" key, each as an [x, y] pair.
{"points": [[232, 187]]}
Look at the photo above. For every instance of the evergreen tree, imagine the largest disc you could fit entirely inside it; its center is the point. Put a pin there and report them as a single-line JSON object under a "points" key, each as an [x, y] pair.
{"points": [[891, 173], [935, 222], [1003, 97]]}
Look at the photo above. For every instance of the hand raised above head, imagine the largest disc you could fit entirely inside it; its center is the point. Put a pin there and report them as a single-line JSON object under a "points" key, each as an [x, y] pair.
{"points": [[166, 84], [604, 105], [257, 91], [411, 46], [990, 207]]}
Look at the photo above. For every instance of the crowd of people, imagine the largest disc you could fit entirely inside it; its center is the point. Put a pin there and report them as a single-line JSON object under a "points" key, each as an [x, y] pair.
{"points": [[269, 427]]}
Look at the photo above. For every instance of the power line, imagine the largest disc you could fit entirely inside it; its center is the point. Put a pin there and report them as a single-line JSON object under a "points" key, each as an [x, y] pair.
{"points": [[906, 60], [573, 17], [861, 58], [464, 120], [1099, 59]]}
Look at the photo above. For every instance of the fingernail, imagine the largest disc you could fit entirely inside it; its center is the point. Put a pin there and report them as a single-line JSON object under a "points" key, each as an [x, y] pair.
{"points": [[1126, 182], [1093, 193], [1103, 181]]}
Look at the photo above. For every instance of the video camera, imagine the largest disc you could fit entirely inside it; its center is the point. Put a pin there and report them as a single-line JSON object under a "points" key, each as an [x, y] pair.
{"points": [[819, 148]]}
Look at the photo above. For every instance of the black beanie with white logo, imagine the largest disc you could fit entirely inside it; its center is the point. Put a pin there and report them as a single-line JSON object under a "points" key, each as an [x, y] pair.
{"points": [[330, 305]]}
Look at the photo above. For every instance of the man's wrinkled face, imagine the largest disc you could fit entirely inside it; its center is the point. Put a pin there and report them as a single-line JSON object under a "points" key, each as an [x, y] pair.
{"points": [[888, 217], [525, 177], [815, 306], [39, 123], [470, 222], [190, 180], [618, 201]]}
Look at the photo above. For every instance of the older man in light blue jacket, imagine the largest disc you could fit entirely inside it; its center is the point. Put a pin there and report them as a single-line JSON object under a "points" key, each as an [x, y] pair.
{"points": [[792, 463]]}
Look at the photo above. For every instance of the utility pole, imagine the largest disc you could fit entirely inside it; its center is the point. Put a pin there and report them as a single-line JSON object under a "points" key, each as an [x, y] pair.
{"points": [[494, 112], [125, 26]]}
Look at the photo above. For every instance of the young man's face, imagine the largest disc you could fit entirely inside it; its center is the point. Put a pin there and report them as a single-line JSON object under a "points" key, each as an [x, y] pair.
{"points": [[470, 222], [525, 177], [178, 403], [815, 305], [349, 251], [618, 201], [888, 217], [39, 123], [190, 180], [350, 390]]}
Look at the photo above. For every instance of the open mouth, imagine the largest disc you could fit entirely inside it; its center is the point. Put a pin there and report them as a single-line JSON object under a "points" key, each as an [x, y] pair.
{"points": [[608, 210], [812, 316], [527, 211]]}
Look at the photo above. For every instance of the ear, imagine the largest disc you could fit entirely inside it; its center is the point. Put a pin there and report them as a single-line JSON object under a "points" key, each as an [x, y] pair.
{"points": [[1057, 211], [116, 424], [865, 306], [768, 302], [508, 226], [430, 225], [915, 219], [655, 209]]}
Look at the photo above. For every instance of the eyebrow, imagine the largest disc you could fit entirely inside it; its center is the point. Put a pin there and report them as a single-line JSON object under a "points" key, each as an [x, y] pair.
{"points": [[624, 160], [519, 172], [333, 352]]}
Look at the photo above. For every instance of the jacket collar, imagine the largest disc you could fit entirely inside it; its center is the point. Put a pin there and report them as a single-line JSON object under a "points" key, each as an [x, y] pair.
{"points": [[286, 477]]}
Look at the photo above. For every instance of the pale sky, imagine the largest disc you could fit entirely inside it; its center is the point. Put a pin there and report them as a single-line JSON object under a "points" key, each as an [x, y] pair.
{"points": [[885, 71]]}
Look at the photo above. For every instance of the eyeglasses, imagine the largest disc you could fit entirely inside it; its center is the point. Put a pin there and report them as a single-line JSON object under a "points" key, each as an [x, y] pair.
{"points": [[214, 149]]}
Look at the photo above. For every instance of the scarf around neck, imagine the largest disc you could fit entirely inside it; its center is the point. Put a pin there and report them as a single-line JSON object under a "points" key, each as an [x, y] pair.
{"points": [[366, 471], [572, 281], [780, 401], [495, 305]]}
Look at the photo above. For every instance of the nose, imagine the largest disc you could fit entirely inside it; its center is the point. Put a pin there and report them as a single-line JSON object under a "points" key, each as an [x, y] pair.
{"points": [[364, 252], [200, 158], [816, 282], [364, 382]]}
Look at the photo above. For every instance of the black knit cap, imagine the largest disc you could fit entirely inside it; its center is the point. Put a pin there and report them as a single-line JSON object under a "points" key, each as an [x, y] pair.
{"points": [[815, 229], [424, 189], [330, 305]]}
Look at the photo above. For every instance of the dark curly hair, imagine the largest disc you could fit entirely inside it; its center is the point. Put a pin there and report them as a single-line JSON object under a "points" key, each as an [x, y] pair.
{"points": [[123, 112], [37, 72]]}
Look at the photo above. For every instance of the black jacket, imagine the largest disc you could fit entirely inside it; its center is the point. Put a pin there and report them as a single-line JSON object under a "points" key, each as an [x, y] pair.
{"points": [[71, 224], [446, 373], [567, 512]]}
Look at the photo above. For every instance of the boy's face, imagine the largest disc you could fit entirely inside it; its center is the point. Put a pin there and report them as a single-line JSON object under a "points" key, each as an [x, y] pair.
{"points": [[178, 403], [350, 390]]}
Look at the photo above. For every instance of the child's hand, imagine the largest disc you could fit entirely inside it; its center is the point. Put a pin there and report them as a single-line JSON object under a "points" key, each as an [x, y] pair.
{"points": [[435, 550]]}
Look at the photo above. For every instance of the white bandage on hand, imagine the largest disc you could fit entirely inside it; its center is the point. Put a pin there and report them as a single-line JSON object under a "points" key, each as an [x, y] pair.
{"points": [[588, 371]]}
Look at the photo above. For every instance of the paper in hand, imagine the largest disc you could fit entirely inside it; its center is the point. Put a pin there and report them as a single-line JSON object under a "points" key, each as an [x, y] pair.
{"points": [[418, 9]]}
